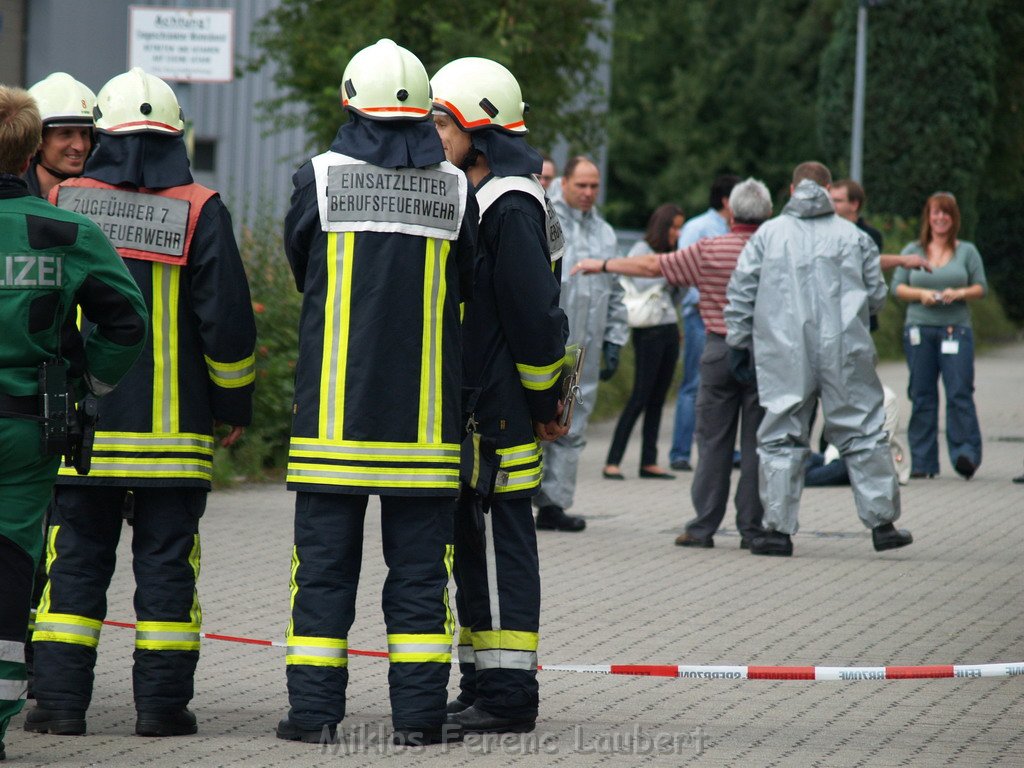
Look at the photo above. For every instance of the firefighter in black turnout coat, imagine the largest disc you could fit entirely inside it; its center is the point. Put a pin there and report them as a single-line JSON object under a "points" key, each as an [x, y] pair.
{"points": [[380, 237], [514, 336]]}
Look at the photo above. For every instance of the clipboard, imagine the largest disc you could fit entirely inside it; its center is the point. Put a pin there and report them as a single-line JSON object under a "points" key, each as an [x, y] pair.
{"points": [[572, 370]]}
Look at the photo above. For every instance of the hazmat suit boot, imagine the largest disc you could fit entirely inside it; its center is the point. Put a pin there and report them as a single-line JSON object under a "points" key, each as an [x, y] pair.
{"points": [[59, 722], [772, 543], [180, 723], [552, 518], [887, 536], [475, 720], [289, 731]]}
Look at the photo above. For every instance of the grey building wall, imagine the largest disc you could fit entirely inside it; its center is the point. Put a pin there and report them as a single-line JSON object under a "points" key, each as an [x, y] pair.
{"points": [[89, 39], [12, 41]]}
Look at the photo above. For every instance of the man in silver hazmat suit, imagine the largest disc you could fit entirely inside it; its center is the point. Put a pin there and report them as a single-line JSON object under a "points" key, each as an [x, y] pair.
{"points": [[597, 320], [799, 303]]}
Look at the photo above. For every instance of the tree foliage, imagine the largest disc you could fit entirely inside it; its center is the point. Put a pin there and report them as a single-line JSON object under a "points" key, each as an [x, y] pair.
{"points": [[702, 87], [929, 101], [543, 42]]}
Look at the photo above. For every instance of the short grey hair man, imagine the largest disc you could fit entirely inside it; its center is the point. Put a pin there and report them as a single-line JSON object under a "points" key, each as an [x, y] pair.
{"points": [[750, 202]]}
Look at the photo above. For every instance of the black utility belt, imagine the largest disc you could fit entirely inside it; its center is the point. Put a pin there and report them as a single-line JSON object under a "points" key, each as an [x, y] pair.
{"points": [[13, 406]]}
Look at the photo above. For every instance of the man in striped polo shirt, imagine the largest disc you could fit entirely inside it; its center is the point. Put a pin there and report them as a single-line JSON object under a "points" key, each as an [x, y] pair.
{"points": [[724, 397]]}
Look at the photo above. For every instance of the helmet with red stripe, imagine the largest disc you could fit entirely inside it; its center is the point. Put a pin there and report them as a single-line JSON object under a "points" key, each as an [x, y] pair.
{"points": [[136, 102], [480, 93], [63, 101], [384, 81]]}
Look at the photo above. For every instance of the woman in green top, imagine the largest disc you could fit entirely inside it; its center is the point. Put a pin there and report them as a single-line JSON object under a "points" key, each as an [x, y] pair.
{"points": [[937, 339]]}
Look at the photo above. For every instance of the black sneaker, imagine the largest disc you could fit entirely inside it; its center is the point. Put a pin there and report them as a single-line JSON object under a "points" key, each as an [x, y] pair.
{"points": [[887, 537], [552, 518], [59, 722], [180, 723], [772, 543]]}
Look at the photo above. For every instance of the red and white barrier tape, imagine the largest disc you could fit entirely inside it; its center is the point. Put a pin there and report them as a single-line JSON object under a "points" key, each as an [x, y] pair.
{"points": [[692, 672]]}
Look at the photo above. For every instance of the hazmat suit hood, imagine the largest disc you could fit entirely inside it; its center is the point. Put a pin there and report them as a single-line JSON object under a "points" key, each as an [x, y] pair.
{"points": [[390, 144], [149, 160], [507, 155], [809, 200]]}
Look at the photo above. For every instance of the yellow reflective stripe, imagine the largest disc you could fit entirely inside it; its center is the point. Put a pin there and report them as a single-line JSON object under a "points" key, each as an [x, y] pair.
{"points": [[317, 651], [194, 559], [508, 639], [336, 329], [167, 636], [118, 466], [520, 480], [67, 628], [165, 347], [475, 477], [293, 589], [368, 445], [51, 555], [539, 377], [445, 452], [519, 454], [163, 442], [449, 620], [230, 375], [465, 645], [420, 648], [374, 476], [434, 289]]}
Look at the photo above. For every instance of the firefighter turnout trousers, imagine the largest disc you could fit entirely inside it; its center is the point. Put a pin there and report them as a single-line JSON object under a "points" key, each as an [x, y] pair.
{"points": [[498, 600], [417, 543], [26, 480], [85, 526]]}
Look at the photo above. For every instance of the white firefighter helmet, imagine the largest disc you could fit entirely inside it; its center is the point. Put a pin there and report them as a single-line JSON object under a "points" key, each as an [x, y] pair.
{"points": [[480, 93], [137, 101], [384, 81], [63, 100]]}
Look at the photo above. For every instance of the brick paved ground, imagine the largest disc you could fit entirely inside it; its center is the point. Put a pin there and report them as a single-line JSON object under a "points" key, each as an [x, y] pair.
{"points": [[621, 592]]}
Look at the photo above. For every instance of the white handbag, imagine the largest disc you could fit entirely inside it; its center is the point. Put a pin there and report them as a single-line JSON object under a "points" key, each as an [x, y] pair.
{"points": [[644, 308]]}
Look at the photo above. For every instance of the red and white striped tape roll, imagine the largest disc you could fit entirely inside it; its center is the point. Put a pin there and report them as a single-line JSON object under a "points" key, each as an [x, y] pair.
{"points": [[692, 672]]}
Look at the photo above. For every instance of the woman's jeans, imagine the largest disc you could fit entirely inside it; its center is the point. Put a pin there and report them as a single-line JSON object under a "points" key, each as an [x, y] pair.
{"points": [[657, 349], [694, 338], [927, 361]]}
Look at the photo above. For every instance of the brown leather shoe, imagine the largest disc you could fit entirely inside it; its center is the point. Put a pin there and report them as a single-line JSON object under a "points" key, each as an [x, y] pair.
{"points": [[686, 540]]}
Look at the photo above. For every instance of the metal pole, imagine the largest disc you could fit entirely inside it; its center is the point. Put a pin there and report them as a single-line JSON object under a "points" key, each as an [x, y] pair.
{"points": [[860, 77]]}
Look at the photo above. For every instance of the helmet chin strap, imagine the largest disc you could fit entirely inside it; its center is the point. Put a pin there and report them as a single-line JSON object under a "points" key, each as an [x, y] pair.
{"points": [[469, 159], [56, 174]]}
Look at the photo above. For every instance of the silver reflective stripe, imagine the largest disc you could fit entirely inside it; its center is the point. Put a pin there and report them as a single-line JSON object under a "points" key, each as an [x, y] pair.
{"points": [[167, 321], [316, 650], [67, 629], [412, 452], [186, 637], [529, 453], [538, 378], [162, 467], [419, 648], [466, 654], [375, 476], [435, 332], [143, 441], [491, 563], [221, 373], [13, 690], [500, 658], [12, 651]]}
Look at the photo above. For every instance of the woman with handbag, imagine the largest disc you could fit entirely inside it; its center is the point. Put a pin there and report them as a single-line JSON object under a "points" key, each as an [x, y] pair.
{"points": [[652, 316]]}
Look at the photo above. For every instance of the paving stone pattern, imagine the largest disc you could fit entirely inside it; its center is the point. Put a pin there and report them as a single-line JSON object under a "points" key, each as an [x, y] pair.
{"points": [[622, 593]]}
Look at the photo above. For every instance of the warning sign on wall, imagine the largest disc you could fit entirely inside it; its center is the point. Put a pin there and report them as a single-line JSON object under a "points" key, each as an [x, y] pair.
{"points": [[182, 44]]}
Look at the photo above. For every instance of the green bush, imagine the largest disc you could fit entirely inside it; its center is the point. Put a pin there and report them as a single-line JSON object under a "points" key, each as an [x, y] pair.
{"points": [[276, 305]]}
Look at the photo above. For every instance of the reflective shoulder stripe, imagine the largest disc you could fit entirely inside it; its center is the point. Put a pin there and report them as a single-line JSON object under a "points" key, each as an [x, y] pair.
{"points": [[231, 375], [499, 185], [322, 165]]}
